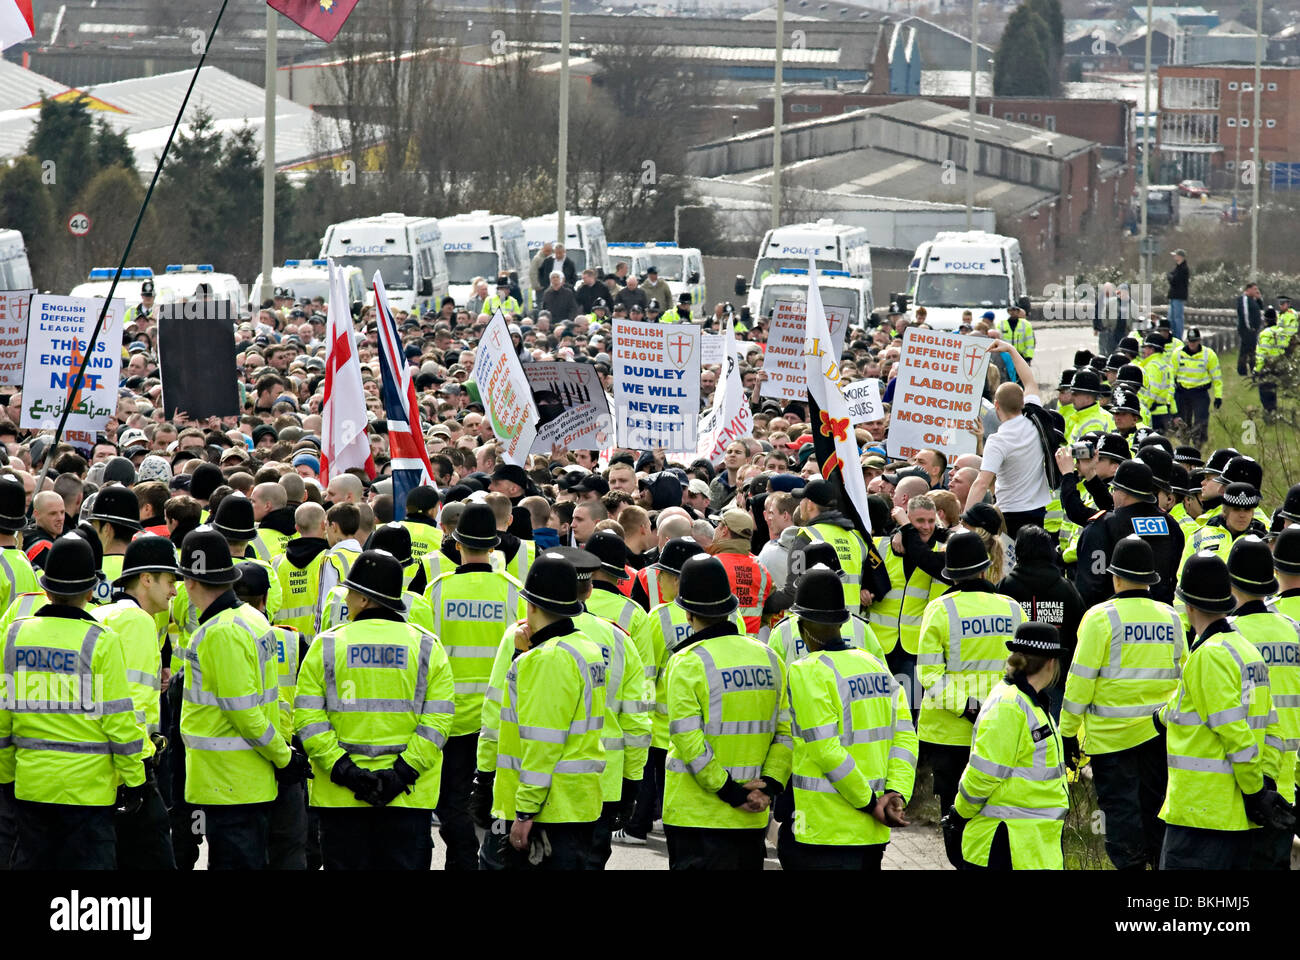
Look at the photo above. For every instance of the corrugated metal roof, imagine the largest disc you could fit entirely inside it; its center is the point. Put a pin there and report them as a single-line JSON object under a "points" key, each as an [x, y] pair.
{"points": [[955, 83], [1006, 133], [20, 87]]}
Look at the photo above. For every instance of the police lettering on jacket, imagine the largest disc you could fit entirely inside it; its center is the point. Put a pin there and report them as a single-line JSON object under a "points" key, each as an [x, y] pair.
{"points": [[1279, 654], [1148, 633], [747, 678], [483, 611], [377, 655], [868, 686], [46, 659], [985, 626]]}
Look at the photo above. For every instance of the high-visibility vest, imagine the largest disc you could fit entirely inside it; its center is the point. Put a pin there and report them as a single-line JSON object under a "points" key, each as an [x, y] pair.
{"points": [[341, 559], [269, 544], [1289, 320], [435, 564], [1224, 680], [751, 583], [1015, 776], [1157, 390], [852, 551], [853, 738], [470, 612], [627, 613], [274, 592], [728, 716], [1200, 369], [110, 569], [648, 577], [1055, 515], [1275, 637], [138, 633], [425, 538], [375, 689], [1126, 666], [549, 755], [1022, 337], [229, 711], [963, 655], [896, 617], [784, 638], [68, 732], [627, 709], [299, 593], [522, 560], [495, 303], [669, 630], [23, 605], [1091, 418], [1272, 342], [16, 575]]}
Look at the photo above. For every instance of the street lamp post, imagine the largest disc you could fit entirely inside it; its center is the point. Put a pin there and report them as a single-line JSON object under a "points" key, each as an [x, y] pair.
{"points": [[1146, 148], [778, 109], [1259, 164], [970, 139], [562, 162]]}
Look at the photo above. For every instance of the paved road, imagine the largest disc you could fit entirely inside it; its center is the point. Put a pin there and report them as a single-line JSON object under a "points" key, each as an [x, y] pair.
{"points": [[1056, 346]]}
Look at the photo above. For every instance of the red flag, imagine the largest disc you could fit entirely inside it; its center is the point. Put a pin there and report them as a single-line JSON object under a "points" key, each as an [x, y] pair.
{"points": [[16, 23], [324, 18]]}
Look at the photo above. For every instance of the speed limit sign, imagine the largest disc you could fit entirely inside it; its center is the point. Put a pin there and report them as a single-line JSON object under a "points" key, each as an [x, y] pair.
{"points": [[79, 224]]}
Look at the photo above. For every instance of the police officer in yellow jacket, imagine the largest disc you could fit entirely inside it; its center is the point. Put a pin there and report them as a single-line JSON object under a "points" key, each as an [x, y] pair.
{"points": [[1012, 799], [854, 744], [1286, 563], [16, 573], [729, 731], [142, 591], [373, 708], [71, 750], [1126, 665], [1277, 638], [234, 756], [1219, 722]]}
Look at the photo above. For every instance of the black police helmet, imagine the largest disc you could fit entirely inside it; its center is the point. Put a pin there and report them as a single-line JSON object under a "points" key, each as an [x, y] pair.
{"points": [[1286, 552], [13, 505], [1243, 469], [1219, 459], [253, 580], [117, 504], [676, 552], [1134, 478], [1130, 373], [820, 596], [820, 553], [1205, 584], [205, 557], [1133, 559], [395, 539], [1250, 565], [234, 519], [1086, 381], [377, 574], [1161, 464], [610, 550], [965, 556], [1113, 447], [477, 527], [148, 554], [70, 567], [705, 588], [552, 585], [1290, 508]]}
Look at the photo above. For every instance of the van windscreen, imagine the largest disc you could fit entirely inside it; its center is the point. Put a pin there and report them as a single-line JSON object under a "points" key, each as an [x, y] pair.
{"points": [[396, 270], [464, 265], [962, 290]]}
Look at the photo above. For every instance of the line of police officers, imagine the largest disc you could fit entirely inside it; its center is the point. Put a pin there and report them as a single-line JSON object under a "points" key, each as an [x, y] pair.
{"points": [[549, 712]]}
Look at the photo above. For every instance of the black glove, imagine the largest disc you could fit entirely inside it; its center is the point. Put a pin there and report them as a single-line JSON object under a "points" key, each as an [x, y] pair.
{"points": [[1268, 808], [395, 781], [627, 801], [480, 801], [296, 770], [1218, 402], [131, 799], [953, 825], [364, 784], [1072, 752], [733, 794], [772, 787], [972, 710], [1155, 722]]}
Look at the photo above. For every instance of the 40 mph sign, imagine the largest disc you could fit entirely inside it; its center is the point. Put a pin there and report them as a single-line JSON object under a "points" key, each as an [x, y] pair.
{"points": [[79, 224]]}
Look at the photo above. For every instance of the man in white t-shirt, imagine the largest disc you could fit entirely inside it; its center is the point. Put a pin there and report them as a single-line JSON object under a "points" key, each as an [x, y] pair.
{"points": [[1014, 455]]}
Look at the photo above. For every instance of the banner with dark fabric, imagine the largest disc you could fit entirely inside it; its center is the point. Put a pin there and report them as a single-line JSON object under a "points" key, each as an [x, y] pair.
{"points": [[196, 361]]}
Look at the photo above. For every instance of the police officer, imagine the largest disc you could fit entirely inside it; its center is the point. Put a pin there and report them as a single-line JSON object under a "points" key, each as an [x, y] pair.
{"points": [[501, 300], [1016, 330], [1157, 391], [546, 790], [143, 591], [342, 521], [819, 518], [471, 608], [16, 573], [1273, 342], [784, 637], [1236, 518], [143, 309], [1012, 799], [1196, 370], [395, 538], [1085, 388], [72, 751], [963, 634], [729, 732], [1126, 664], [1213, 484], [234, 521], [628, 706], [1289, 512], [298, 570], [606, 600], [1238, 469], [1219, 723], [234, 757], [421, 508], [373, 710], [1135, 511], [1250, 567], [1286, 563], [115, 518], [851, 722]]}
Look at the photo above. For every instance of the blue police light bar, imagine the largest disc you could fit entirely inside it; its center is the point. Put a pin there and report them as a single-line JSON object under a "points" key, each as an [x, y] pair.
{"points": [[102, 273], [323, 262], [620, 243], [292, 263], [665, 243], [836, 273], [129, 273], [799, 270], [205, 268]]}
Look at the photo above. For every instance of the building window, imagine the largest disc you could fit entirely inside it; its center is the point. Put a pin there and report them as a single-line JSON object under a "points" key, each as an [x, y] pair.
{"points": [[1049, 122], [1230, 165], [1232, 84], [1008, 116], [1022, 118], [1247, 87], [805, 108], [1272, 87], [1244, 122], [1270, 123], [1189, 128], [1036, 117], [1232, 121], [1189, 93]]}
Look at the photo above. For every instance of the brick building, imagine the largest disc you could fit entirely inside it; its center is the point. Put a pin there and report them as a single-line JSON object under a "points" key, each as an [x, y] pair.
{"points": [[1206, 115]]}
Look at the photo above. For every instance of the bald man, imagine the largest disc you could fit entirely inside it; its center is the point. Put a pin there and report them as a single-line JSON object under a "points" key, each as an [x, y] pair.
{"points": [[294, 489], [274, 520], [48, 517], [908, 488], [344, 488]]}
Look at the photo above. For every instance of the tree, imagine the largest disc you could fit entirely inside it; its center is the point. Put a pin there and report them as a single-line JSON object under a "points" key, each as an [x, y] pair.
{"points": [[1021, 68], [77, 145], [27, 205], [112, 201]]}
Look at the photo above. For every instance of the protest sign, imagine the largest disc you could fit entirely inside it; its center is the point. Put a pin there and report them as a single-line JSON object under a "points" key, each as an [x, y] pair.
{"points": [[783, 361], [657, 385], [196, 362], [13, 334], [58, 336], [712, 348], [730, 416], [505, 392], [573, 409], [863, 398], [937, 397]]}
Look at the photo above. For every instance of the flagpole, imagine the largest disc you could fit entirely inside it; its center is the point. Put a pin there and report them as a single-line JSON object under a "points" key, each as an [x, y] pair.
{"points": [[268, 159], [79, 380]]}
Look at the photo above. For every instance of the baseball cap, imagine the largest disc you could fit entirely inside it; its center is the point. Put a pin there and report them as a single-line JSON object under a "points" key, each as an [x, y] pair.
{"points": [[698, 486]]}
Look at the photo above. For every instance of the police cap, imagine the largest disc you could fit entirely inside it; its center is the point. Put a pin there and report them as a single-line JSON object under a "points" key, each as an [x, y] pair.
{"points": [[70, 567], [393, 538], [1038, 640], [205, 557], [1205, 584], [1250, 565], [377, 574], [1188, 457], [477, 527], [1241, 496], [552, 585], [1153, 439], [705, 588], [1133, 559], [253, 580], [147, 554], [585, 563], [820, 596]]}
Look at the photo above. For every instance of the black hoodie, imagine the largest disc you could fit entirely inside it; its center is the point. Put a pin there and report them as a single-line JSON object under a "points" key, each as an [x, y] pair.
{"points": [[1047, 597], [280, 520], [665, 490], [301, 551]]}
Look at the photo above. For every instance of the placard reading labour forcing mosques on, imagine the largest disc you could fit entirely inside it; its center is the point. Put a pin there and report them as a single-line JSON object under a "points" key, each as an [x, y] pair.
{"points": [[937, 398], [656, 385]]}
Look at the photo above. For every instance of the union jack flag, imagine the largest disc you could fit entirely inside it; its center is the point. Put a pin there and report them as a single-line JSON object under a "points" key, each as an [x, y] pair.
{"points": [[409, 459]]}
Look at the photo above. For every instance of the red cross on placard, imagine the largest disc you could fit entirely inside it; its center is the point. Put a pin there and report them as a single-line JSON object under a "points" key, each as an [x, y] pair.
{"points": [[677, 346], [834, 426]]}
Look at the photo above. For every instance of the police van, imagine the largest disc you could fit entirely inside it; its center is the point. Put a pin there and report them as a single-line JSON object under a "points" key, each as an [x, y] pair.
{"points": [[965, 270], [101, 278], [584, 239], [406, 251], [847, 298], [682, 267], [483, 244], [307, 279], [179, 284], [15, 272], [834, 246]]}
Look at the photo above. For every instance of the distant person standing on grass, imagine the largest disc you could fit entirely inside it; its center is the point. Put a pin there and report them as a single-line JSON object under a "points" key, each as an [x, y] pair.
{"points": [[1179, 280], [1250, 317]]}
